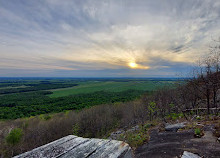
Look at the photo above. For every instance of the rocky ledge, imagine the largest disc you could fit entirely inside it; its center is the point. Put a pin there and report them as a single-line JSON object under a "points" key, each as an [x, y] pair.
{"points": [[78, 147], [180, 143]]}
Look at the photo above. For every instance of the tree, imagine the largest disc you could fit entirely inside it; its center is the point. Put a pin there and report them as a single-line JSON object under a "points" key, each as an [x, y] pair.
{"points": [[14, 136], [208, 76], [152, 109]]}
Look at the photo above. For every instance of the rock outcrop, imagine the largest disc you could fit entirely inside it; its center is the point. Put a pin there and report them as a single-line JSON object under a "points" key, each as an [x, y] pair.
{"points": [[174, 127], [187, 154], [78, 147], [169, 144]]}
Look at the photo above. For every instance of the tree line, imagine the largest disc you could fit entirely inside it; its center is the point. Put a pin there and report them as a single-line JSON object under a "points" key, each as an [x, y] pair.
{"points": [[34, 103]]}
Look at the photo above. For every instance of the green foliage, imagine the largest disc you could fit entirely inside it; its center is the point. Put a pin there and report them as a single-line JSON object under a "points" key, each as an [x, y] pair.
{"points": [[45, 116], [14, 136], [181, 115], [66, 112], [136, 139], [192, 112], [31, 97], [109, 86], [35, 87], [152, 107], [197, 132], [171, 105], [76, 129], [147, 126], [198, 117], [36, 103], [175, 116]]}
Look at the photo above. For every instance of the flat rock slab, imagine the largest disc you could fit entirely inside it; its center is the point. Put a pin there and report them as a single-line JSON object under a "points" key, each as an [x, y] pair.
{"points": [[173, 144], [174, 127], [77, 147]]}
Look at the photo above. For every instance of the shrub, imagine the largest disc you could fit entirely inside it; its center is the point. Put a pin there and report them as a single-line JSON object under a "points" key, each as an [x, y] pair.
{"points": [[136, 139], [181, 115], [152, 107], [14, 136], [171, 105], [175, 116], [45, 116], [147, 126], [76, 129], [198, 117], [197, 132]]}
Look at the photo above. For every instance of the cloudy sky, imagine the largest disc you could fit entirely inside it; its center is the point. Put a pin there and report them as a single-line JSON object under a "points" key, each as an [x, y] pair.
{"points": [[105, 38]]}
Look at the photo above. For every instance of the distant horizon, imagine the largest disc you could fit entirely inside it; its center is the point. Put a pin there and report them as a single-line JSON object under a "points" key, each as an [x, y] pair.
{"points": [[94, 77]]}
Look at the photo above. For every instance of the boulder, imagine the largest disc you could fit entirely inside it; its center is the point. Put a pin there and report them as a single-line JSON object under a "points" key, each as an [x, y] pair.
{"points": [[187, 154], [174, 127]]}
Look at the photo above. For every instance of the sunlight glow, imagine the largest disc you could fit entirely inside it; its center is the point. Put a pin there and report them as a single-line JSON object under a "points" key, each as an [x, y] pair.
{"points": [[132, 65]]}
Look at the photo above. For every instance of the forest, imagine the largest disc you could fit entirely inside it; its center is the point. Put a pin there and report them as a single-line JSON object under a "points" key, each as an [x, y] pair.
{"points": [[24, 98]]}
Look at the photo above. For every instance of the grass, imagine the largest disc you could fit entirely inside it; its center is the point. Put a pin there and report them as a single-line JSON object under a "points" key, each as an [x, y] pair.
{"points": [[110, 86]]}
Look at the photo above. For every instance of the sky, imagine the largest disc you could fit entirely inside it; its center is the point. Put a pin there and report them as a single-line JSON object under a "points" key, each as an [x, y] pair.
{"points": [[105, 38]]}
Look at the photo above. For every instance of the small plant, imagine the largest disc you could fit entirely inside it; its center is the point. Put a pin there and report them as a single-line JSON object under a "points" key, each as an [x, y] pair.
{"points": [[192, 112], [175, 116], [198, 117], [14, 137], [197, 132], [135, 139], [152, 109], [171, 105], [76, 129], [181, 115], [147, 126]]}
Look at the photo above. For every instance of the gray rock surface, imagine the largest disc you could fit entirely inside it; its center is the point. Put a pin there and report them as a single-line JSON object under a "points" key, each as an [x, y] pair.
{"points": [[187, 154], [116, 135], [173, 144], [78, 147], [135, 128], [174, 127]]}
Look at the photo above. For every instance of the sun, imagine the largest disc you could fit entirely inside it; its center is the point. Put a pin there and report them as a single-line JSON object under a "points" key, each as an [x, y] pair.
{"points": [[132, 65]]}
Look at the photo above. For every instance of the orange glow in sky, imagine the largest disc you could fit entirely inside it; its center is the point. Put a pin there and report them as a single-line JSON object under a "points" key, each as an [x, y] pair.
{"points": [[133, 65]]}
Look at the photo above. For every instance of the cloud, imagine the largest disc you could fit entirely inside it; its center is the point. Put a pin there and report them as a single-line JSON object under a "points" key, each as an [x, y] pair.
{"points": [[94, 36]]}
